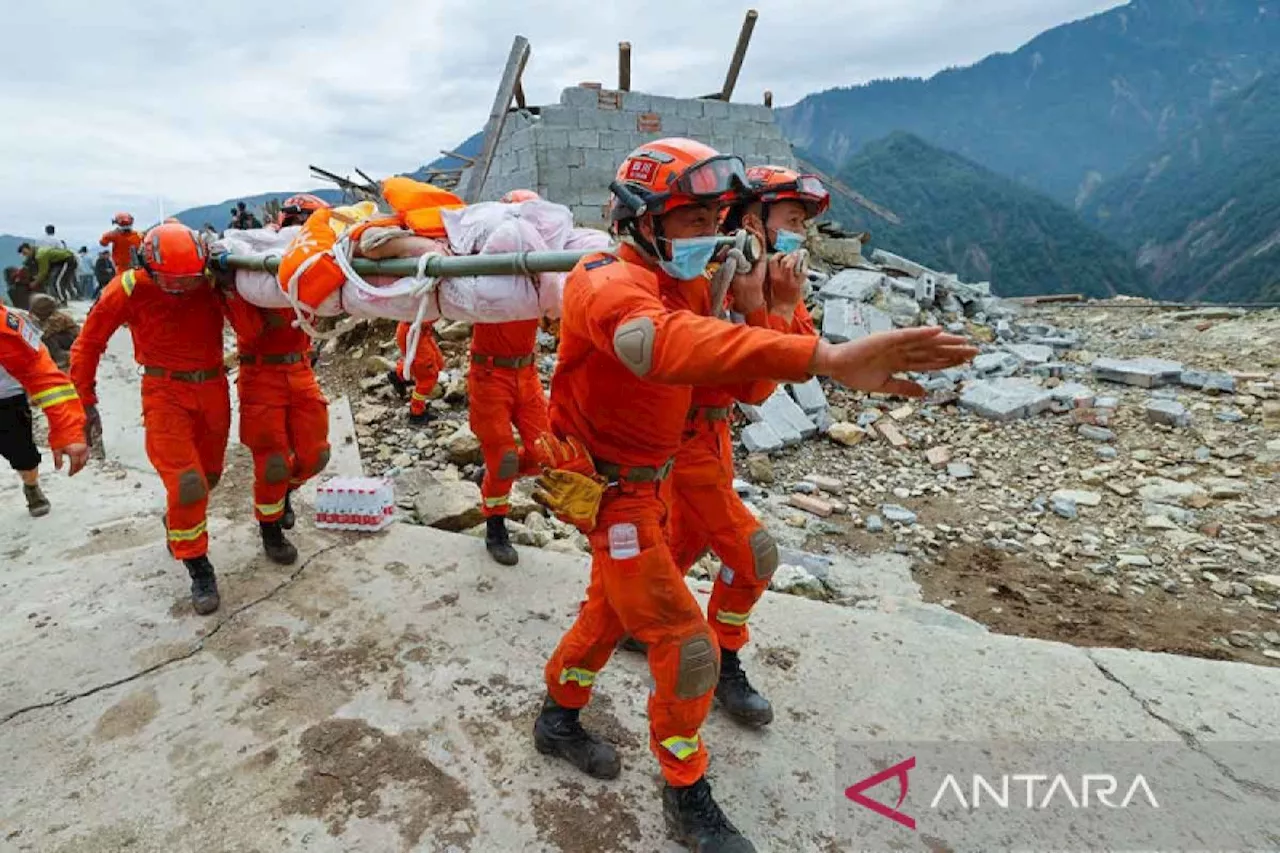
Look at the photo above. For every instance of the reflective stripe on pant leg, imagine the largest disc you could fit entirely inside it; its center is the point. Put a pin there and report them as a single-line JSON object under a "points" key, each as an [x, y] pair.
{"points": [[656, 607], [491, 393], [170, 422], [585, 649]]}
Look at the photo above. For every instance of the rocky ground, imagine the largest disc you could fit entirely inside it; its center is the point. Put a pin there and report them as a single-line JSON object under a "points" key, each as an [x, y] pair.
{"points": [[1110, 514]]}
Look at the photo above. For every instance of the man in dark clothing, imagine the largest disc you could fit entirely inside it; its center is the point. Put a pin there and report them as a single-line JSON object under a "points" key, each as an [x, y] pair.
{"points": [[18, 282], [244, 220], [103, 271], [55, 270]]}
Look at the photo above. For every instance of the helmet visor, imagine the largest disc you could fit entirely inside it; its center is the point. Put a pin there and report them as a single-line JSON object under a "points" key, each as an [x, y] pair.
{"points": [[806, 188], [714, 177], [179, 283]]}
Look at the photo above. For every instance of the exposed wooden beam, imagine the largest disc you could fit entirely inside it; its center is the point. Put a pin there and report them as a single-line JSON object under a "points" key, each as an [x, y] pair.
{"points": [[455, 155], [768, 98], [520, 102], [624, 66], [739, 54], [516, 62]]}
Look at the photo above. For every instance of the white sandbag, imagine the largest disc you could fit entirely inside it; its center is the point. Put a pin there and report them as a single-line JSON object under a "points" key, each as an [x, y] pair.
{"points": [[581, 239], [493, 228]]}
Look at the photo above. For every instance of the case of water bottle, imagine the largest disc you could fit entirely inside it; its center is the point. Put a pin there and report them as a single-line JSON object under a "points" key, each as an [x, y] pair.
{"points": [[355, 503]]}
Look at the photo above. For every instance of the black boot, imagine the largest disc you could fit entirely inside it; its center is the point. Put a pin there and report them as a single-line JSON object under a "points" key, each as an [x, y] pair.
{"points": [[204, 585], [37, 504], [631, 644], [738, 697], [421, 419], [288, 519], [495, 539], [557, 732], [277, 548], [402, 386], [695, 819]]}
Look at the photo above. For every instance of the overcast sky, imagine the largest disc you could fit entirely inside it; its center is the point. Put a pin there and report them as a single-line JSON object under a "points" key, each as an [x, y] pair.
{"points": [[128, 106]]}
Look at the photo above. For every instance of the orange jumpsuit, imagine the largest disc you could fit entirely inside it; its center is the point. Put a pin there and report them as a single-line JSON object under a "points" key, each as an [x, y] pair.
{"points": [[631, 419], [186, 408], [284, 416], [26, 366], [122, 244], [428, 361], [504, 390], [706, 512]]}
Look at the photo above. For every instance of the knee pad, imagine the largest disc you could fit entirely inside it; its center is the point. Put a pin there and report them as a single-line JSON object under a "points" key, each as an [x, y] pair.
{"points": [[275, 469], [510, 465], [699, 667], [764, 554], [191, 488], [322, 461]]}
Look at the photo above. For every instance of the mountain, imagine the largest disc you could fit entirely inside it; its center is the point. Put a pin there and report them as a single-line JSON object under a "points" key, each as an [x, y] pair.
{"points": [[1074, 106], [218, 215], [470, 148], [1203, 215], [960, 217]]}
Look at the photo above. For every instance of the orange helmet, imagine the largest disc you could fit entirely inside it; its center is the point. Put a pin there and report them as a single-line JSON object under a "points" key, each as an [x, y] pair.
{"points": [[124, 220], [666, 174], [175, 256], [297, 208], [517, 196], [776, 183]]}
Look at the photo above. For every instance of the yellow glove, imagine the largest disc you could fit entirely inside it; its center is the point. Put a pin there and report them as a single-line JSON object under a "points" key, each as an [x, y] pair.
{"points": [[573, 497]]}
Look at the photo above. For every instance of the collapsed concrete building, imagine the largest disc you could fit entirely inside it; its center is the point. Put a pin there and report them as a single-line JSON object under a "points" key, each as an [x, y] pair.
{"points": [[569, 152]]}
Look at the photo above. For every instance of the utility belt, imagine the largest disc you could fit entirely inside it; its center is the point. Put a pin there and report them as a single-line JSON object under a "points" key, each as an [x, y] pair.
{"points": [[509, 362], [185, 375], [282, 358], [628, 474], [710, 414]]}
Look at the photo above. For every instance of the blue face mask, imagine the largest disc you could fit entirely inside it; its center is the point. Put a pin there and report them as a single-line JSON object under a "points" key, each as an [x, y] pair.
{"points": [[689, 257], [787, 241]]}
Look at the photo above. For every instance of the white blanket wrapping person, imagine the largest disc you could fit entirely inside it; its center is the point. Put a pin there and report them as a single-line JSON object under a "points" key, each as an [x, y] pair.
{"points": [[481, 229]]}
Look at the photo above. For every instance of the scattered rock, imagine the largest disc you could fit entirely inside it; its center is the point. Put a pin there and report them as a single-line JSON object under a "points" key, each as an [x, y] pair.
{"points": [[452, 506], [850, 435], [1096, 433], [898, 514], [1079, 498], [816, 506], [794, 580], [760, 469], [463, 447]]}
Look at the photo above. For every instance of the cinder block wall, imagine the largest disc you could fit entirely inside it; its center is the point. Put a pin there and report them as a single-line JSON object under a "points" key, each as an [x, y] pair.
{"points": [[571, 151]]}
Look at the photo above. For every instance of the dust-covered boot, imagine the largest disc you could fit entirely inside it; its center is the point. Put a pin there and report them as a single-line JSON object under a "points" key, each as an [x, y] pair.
{"points": [[37, 504], [735, 693], [695, 819], [497, 541], [420, 419], [288, 519], [401, 385], [558, 732], [204, 585], [278, 549]]}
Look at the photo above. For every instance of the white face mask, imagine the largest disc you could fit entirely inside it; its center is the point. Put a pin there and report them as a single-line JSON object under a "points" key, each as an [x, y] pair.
{"points": [[689, 256]]}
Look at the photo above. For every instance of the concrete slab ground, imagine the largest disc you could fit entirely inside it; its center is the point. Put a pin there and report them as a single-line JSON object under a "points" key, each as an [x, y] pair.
{"points": [[379, 696]]}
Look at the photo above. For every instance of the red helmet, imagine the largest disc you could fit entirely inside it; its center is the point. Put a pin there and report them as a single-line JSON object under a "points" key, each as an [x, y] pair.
{"points": [[297, 208], [175, 256], [124, 220], [518, 196], [777, 183], [666, 174]]}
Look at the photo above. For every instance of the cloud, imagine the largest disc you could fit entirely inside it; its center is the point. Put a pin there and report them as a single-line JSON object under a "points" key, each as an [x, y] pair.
{"points": [[179, 104]]}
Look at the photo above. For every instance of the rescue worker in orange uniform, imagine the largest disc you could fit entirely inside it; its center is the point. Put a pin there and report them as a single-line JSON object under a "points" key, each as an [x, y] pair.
{"points": [[706, 512], [297, 209], [424, 371], [175, 317], [28, 375], [504, 392], [636, 337], [122, 240], [284, 416]]}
